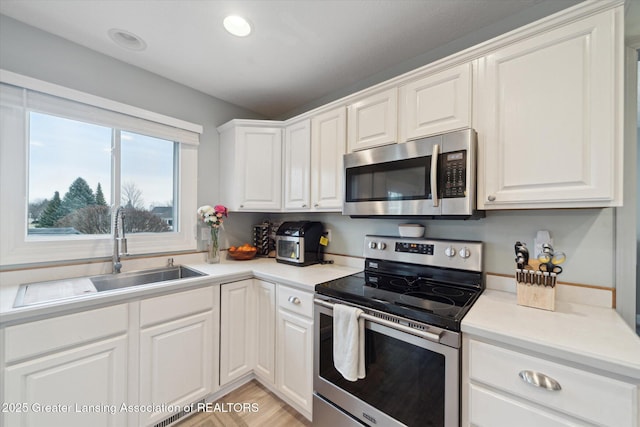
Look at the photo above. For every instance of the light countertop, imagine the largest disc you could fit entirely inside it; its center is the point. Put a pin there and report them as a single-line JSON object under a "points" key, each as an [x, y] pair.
{"points": [[227, 271], [592, 336], [595, 337]]}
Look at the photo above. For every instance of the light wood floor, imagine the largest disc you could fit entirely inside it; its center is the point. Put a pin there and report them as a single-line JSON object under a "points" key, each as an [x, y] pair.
{"points": [[267, 410]]}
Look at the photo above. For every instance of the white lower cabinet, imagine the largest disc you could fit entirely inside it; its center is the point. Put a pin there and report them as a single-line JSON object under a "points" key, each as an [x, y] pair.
{"points": [[113, 366], [237, 330], [69, 370], [294, 366], [505, 387], [494, 409], [265, 330], [247, 330], [176, 351]]}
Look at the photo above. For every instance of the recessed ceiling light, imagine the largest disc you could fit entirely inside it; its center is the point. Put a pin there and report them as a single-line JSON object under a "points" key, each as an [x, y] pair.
{"points": [[127, 39], [237, 25]]}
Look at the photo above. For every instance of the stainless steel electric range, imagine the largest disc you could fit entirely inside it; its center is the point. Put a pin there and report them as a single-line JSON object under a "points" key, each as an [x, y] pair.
{"points": [[414, 294]]}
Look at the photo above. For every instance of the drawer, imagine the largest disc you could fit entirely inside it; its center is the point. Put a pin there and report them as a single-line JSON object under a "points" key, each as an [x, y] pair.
{"points": [[175, 306], [591, 397], [295, 300], [57, 333], [490, 409]]}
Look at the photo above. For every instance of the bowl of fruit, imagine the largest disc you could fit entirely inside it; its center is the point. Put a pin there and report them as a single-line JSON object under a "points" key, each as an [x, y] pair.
{"points": [[243, 252]]}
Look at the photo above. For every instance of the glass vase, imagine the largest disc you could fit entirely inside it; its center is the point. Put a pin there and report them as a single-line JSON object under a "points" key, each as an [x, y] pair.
{"points": [[213, 250]]}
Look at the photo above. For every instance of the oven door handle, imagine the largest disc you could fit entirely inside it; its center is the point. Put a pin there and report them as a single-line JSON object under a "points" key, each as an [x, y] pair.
{"points": [[431, 336]]}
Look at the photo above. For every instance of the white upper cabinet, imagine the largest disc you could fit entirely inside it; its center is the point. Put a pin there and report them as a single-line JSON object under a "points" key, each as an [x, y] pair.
{"points": [[436, 103], [328, 145], [373, 121], [251, 166], [549, 118], [297, 166]]}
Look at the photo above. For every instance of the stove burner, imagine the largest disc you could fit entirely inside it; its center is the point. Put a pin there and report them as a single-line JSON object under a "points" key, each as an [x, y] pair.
{"points": [[431, 297], [407, 283], [452, 292]]}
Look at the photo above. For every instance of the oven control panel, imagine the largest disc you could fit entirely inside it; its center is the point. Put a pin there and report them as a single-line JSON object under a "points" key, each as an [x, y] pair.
{"points": [[460, 254], [415, 248]]}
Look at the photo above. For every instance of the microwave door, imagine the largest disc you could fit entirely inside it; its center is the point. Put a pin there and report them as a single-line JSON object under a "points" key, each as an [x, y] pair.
{"points": [[397, 180]]}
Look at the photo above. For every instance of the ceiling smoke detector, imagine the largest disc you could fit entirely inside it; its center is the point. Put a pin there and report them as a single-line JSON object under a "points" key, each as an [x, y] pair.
{"points": [[237, 25], [127, 39]]}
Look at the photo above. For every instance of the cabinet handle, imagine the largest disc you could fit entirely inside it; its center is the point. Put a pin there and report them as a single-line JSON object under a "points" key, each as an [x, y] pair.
{"points": [[294, 300], [316, 205], [304, 205], [539, 380], [241, 206], [491, 198]]}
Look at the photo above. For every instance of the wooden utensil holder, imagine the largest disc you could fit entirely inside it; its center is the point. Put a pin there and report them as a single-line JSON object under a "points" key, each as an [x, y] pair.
{"points": [[531, 290]]}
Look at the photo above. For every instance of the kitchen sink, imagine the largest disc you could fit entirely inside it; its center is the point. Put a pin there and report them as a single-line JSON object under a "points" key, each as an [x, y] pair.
{"points": [[109, 282], [41, 292]]}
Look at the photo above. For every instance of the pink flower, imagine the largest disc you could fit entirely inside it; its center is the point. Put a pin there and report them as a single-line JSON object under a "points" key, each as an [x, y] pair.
{"points": [[222, 210]]}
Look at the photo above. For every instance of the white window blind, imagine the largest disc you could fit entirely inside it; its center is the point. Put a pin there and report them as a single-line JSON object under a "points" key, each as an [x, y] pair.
{"points": [[45, 103]]}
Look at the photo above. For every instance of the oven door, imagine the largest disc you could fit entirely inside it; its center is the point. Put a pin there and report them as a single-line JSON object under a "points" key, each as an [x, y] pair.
{"points": [[410, 381]]}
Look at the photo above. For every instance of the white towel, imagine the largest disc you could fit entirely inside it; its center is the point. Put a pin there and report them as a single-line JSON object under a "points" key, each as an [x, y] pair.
{"points": [[348, 342]]}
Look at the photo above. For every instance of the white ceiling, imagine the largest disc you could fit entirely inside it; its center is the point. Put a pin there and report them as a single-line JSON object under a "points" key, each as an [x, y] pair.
{"points": [[300, 50]]}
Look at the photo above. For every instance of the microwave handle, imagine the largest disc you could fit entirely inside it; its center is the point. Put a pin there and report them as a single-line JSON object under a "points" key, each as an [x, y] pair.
{"points": [[434, 175]]}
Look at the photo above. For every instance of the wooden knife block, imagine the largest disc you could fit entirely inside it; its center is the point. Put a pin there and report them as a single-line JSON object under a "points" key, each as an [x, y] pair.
{"points": [[536, 296]]}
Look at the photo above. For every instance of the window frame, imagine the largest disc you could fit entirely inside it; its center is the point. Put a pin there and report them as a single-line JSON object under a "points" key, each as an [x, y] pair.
{"points": [[17, 247]]}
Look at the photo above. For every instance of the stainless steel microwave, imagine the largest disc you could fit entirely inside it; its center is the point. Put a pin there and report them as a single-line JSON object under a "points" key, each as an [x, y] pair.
{"points": [[428, 177]]}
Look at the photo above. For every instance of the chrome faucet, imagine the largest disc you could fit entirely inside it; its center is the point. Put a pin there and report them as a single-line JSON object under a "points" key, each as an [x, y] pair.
{"points": [[119, 243]]}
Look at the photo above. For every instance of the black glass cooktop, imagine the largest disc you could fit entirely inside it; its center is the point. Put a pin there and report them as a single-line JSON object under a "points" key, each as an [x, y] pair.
{"points": [[430, 295]]}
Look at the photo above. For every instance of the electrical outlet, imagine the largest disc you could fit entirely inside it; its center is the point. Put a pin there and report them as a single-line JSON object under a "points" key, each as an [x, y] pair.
{"points": [[328, 235]]}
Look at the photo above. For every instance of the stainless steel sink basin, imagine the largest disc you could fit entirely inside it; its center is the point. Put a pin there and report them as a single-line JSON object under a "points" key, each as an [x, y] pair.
{"points": [[109, 282], [41, 292]]}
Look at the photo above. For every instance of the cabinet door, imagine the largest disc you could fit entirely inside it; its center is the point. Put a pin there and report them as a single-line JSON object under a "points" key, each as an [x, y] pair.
{"points": [[265, 330], [549, 127], [175, 363], [328, 145], [297, 166], [259, 171], [491, 409], [81, 386], [437, 103], [373, 121], [237, 320], [295, 359]]}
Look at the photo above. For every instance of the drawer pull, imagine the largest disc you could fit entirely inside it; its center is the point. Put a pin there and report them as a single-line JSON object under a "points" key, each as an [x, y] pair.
{"points": [[294, 300], [539, 380]]}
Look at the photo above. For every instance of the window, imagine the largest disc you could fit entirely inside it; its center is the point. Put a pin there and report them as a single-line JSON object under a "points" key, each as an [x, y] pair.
{"points": [[71, 168], [67, 157]]}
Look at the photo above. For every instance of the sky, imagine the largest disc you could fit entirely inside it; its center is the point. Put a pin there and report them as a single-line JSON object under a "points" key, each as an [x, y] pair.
{"points": [[61, 150]]}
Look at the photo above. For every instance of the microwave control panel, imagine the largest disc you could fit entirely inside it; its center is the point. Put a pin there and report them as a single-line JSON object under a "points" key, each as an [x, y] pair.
{"points": [[454, 174]]}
